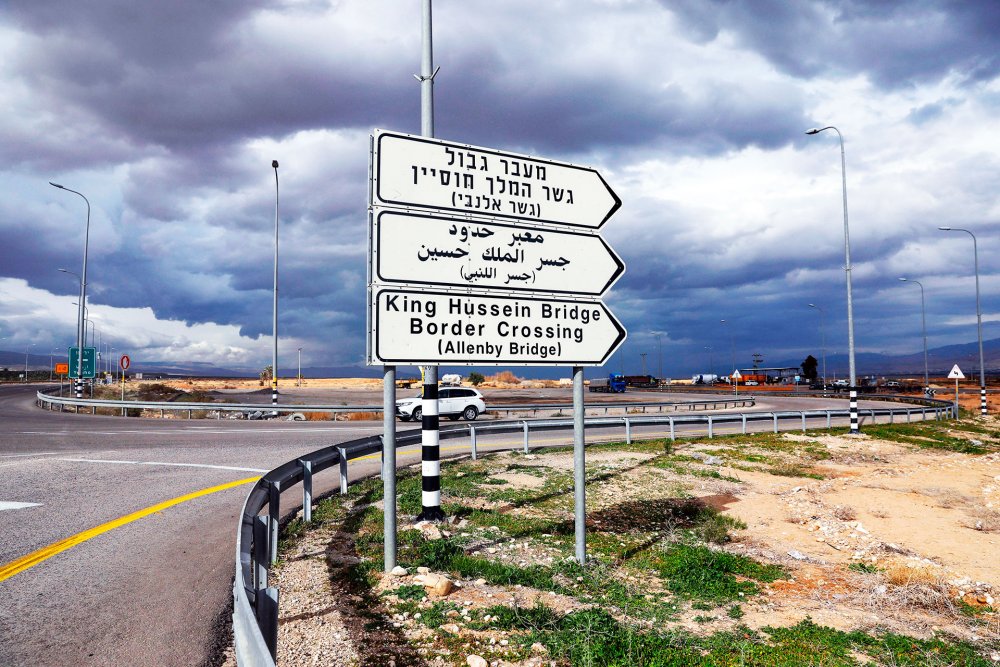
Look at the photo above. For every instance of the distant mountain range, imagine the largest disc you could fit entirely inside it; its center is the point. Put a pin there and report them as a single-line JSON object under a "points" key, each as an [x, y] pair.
{"points": [[941, 359]]}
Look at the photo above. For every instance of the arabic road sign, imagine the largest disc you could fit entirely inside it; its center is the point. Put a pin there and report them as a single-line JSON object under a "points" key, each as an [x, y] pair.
{"points": [[422, 249], [412, 171], [61, 369], [425, 327], [124, 362], [89, 355], [956, 373]]}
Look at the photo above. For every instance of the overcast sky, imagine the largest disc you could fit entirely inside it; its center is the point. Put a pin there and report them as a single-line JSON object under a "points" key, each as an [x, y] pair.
{"points": [[166, 115]]}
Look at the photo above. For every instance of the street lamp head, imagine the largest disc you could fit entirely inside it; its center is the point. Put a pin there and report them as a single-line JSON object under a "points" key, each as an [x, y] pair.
{"points": [[903, 280], [274, 163], [56, 185], [815, 130], [945, 229]]}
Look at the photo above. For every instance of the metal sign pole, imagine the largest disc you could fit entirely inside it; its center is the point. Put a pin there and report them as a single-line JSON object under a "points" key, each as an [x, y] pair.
{"points": [[430, 463], [389, 465], [579, 468]]}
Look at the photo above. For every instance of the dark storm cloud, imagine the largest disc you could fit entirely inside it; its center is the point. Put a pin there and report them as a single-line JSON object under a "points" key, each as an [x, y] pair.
{"points": [[896, 43]]}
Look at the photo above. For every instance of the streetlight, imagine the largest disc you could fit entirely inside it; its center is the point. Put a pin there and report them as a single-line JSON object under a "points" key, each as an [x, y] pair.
{"points": [[659, 353], [923, 323], [732, 343], [847, 269], [26, 361], [711, 360], [274, 322], [979, 318], [822, 335], [299, 377], [83, 293]]}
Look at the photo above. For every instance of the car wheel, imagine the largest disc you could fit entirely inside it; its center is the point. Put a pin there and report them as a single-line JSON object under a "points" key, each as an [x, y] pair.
{"points": [[404, 418], [418, 414], [470, 413], [454, 417]]}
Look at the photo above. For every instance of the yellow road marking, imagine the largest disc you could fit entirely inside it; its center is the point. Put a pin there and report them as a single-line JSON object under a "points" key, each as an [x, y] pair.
{"points": [[34, 558]]}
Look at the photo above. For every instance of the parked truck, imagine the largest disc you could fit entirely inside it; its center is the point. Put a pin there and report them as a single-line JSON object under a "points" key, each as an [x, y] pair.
{"points": [[644, 381], [614, 383], [451, 380], [704, 378]]}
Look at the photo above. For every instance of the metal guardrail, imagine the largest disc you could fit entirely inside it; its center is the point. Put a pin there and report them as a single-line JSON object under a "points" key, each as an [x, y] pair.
{"points": [[255, 603], [50, 402]]}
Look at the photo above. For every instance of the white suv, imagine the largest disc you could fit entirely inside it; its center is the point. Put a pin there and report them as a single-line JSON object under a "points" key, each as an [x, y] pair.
{"points": [[453, 403]]}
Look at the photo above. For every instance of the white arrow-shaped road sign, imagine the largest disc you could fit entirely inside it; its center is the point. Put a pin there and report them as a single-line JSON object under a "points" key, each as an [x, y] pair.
{"points": [[417, 327], [956, 373], [427, 250], [412, 171]]}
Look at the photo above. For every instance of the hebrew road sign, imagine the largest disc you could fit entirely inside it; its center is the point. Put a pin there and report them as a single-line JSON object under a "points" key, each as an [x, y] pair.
{"points": [[412, 171], [89, 355]]}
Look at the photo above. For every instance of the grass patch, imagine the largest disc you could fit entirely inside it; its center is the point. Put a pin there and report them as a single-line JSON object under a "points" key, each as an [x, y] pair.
{"points": [[696, 572]]}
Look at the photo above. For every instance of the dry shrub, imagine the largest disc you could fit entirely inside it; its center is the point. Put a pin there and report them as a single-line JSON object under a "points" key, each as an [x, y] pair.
{"points": [[876, 512], [985, 519], [505, 377], [318, 416], [361, 416], [845, 513], [900, 587], [946, 498], [798, 517]]}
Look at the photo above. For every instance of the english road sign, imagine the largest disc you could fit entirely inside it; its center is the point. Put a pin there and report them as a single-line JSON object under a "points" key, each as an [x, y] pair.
{"points": [[425, 327], [428, 250], [89, 355], [412, 171]]}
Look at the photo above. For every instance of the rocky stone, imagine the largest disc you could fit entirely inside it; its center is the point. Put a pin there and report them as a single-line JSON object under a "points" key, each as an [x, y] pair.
{"points": [[476, 661], [423, 570], [398, 571], [450, 628]]}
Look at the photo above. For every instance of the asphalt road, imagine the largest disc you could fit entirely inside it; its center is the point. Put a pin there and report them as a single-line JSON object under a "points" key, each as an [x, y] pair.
{"points": [[155, 590]]}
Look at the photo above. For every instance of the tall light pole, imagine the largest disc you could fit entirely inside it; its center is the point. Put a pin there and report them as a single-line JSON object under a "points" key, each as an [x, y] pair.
{"points": [[711, 360], [299, 376], [26, 361], [732, 342], [83, 294], [979, 318], [822, 338], [923, 324], [659, 354], [847, 269], [274, 321]]}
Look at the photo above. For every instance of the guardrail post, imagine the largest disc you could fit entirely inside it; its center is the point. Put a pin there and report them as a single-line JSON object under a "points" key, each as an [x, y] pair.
{"points": [[525, 436], [775, 415], [891, 413], [710, 426], [673, 435], [189, 414], [273, 512], [872, 411], [260, 562], [307, 490], [267, 617], [472, 440], [743, 415], [628, 431], [803, 422], [343, 470], [829, 419], [923, 414]]}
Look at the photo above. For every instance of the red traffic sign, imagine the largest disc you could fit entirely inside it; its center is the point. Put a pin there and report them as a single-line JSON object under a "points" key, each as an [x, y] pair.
{"points": [[62, 369], [124, 362]]}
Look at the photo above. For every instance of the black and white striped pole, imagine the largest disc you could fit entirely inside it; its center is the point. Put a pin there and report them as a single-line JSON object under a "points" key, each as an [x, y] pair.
{"points": [[430, 451], [979, 319], [274, 322], [847, 269]]}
